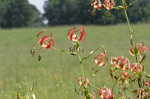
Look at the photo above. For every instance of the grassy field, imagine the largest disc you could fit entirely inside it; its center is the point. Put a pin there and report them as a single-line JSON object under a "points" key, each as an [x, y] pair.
{"points": [[55, 75]]}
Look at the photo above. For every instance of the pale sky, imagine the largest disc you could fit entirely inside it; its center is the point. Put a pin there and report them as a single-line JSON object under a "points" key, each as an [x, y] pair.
{"points": [[38, 3]]}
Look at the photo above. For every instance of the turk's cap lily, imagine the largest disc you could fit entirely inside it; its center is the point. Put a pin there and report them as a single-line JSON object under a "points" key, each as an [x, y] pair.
{"points": [[100, 59], [136, 68], [120, 62], [107, 4], [97, 4], [46, 41], [138, 49], [76, 35], [105, 93]]}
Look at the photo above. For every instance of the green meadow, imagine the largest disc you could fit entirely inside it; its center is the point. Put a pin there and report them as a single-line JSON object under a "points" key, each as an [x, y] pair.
{"points": [[54, 77]]}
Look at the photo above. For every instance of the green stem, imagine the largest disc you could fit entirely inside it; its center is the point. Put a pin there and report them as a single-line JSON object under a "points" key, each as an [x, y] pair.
{"points": [[81, 65], [92, 52], [131, 31], [62, 51], [82, 59]]}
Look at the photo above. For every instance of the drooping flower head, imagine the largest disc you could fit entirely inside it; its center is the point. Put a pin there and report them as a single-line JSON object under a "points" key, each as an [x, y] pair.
{"points": [[120, 62], [138, 49], [105, 93], [100, 59], [97, 4], [109, 4], [76, 35], [136, 68], [46, 41], [43, 41]]}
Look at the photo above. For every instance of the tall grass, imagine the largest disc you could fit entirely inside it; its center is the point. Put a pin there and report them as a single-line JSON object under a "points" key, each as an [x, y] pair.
{"points": [[54, 76]]}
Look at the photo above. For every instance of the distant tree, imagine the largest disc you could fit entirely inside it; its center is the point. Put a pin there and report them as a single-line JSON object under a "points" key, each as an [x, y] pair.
{"points": [[52, 11], [17, 13], [60, 12], [56, 12], [140, 11]]}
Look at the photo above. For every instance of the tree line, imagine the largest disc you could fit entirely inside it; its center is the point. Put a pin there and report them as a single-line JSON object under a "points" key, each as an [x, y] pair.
{"points": [[20, 13]]}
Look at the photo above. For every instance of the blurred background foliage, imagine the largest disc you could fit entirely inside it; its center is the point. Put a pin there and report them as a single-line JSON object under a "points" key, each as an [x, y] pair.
{"points": [[20, 13]]}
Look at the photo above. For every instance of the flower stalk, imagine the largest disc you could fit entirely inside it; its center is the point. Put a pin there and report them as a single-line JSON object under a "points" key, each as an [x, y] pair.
{"points": [[131, 30]]}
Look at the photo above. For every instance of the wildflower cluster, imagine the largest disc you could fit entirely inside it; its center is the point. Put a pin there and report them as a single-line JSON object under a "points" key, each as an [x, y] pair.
{"points": [[107, 4], [123, 70], [121, 67], [44, 41]]}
